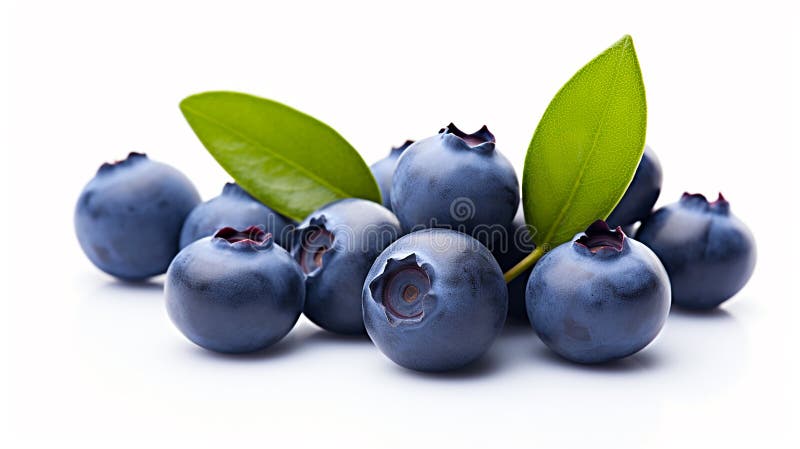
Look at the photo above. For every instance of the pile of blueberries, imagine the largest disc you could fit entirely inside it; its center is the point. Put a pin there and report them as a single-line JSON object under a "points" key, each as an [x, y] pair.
{"points": [[421, 274]]}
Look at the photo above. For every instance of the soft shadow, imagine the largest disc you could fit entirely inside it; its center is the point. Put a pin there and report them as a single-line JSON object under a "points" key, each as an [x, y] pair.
{"points": [[280, 349], [147, 285], [514, 330], [641, 361], [485, 366], [321, 336], [713, 314]]}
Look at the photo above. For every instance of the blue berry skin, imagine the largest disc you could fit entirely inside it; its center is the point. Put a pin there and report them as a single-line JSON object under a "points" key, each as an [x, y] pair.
{"points": [[600, 298], [510, 251], [235, 292], [434, 300], [708, 252], [384, 169], [335, 246], [455, 181], [234, 208], [128, 217], [642, 193]]}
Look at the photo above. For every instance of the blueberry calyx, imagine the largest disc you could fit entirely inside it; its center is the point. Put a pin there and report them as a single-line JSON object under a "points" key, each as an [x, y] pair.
{"points": [[403, 290], [315, 243], [233, 189], [251, 238], [698, 201], [481, 140], [132, 157], [599, 238], [397, 151]]}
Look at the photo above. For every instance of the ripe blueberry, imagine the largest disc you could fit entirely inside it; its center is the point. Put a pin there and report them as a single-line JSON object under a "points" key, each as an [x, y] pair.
{"points": [[642, 194], [129, 216], [234, 292], [335, 246], [708, 252], [509, 252], [384, 169], [602, 297], [456, 181], [434, 300], [233, 208]]}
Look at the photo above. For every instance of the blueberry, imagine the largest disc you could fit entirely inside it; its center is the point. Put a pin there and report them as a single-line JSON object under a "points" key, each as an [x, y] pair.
{"points": [[129, 216], [509, 251], [708, 252], [335, 246], [384, 169], [602, 297], [234, 208], [234, 292], [642, 193], [455, 181], [434, 300]]}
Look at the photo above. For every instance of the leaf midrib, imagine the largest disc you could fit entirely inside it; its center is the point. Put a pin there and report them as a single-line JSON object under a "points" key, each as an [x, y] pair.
{"points": [[266, 149], [568, 204]]}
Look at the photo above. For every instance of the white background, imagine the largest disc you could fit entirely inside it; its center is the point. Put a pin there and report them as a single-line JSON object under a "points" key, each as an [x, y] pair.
{"points": [[88, 362]]}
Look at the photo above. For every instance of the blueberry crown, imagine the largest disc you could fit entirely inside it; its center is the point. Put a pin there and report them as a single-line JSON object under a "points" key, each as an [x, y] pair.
{"points": [[699, 201], [313, 245], [599, 237], [481, 140], [403, 289], [252, 237], [233, 189], [132, 158], [397, 151]]}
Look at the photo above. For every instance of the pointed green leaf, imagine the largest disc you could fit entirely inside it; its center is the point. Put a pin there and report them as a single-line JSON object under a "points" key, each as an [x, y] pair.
{"points": [[586, 148], [288, 160]]}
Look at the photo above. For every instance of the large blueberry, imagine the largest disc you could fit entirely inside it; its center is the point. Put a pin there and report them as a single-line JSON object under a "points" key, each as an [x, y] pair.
{"points": [[509, 251], [602, 297], [384, 169], [456, 181], [233, 208], [642, 193], [129, 216], [435, 300], [234, 292], [708, 252], [335, 246]]}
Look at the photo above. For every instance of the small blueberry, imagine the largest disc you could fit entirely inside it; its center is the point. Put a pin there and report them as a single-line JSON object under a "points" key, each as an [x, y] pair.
{"points": [[128, 218], [234, 292], [602, 297], [434, 300], [335, 246], [708, 252], [233, 208]]}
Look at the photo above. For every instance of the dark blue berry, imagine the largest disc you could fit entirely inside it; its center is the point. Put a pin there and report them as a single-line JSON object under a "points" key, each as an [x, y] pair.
{"points": [[129, 216], [234, 208], [384, 169], [435, 300], [234, 292], [708, 252], [642, 194], [335, 246], [509, 251], [602, 297], [455, 181]]}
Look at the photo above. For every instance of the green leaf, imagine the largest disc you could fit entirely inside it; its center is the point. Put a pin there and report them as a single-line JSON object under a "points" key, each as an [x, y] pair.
{"points": [[288, 160], [586, 148]]}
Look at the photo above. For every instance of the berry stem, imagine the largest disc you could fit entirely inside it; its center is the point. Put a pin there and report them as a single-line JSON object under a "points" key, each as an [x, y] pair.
{"points": [[524, 264]]}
